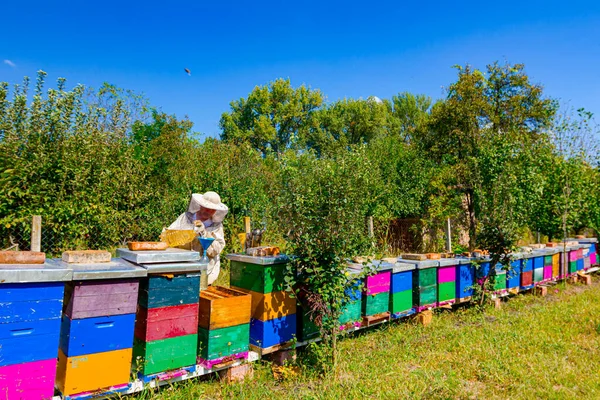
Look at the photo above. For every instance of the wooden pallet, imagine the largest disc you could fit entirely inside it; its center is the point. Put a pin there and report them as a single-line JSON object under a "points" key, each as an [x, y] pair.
{"points": [[268, 350], [374, 319]]}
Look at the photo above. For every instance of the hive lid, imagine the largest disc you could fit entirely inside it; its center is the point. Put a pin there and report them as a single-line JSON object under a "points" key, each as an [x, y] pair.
{"points": [[267, 260], [115, 269], [403, 267], [584, 240], [377, 265], [24, 273], [170, 255], [420, 264], [174, 267], [446, 262]]}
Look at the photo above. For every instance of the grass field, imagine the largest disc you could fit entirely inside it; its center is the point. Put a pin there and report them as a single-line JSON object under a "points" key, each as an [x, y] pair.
{"points": [[532, 347]]}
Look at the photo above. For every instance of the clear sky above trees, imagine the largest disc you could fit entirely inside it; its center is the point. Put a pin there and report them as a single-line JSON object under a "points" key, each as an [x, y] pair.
{"points": [[346, 49]]}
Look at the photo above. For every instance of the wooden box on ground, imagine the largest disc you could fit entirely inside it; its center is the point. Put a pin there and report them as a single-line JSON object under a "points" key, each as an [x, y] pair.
{"points": [[221, 307]]}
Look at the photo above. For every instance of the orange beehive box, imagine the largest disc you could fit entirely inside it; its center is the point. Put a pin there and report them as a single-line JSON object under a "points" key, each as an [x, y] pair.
{"points": [[222, 307]]}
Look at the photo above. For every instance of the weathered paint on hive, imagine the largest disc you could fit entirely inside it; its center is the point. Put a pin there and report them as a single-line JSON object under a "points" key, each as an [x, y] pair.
{"points": [[96, 335], [92, 371], [28, 381], [88, 299], [221, 307], [378, 283], [273, 332], [30, 301], [266, 306], [166, 354], [28, 341], [426, 277], [375, 304], [425, 296], [164, 291], [166, 322], [258, 278], [401, 301], [465, 280], [351, 312], [217, 343]]}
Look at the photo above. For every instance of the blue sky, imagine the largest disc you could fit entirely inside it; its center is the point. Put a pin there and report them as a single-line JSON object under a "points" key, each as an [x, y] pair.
{"points": [[346, 49]]}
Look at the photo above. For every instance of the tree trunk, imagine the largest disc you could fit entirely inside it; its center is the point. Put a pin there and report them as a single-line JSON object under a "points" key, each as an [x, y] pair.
{"points": [[472, 219]]}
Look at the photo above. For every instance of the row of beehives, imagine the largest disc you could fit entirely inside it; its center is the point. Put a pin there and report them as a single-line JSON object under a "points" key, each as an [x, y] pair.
{"points": [[84, 329], [409, 286]]}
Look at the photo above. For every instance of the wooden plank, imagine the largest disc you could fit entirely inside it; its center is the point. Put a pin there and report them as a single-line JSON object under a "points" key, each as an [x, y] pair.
{"points": [[218, 343], [92, 371], [96, 335], [36, 233], [261, 351], [412, 256], [34, 380], [166, 354], [86, 256], [369, 320], [89, 299], [221, 307], [166, 322]]}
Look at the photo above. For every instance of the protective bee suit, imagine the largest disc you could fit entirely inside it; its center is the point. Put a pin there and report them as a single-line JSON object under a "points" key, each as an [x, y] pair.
{"points": [[193, 219]]}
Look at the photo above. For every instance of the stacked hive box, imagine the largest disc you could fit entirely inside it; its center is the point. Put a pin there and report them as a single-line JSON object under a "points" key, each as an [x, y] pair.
{"points": [[556, 264], [549, 261], [31, 299], [223, 325], [586, 255], [96, 336], [465, 279], [527, 271], [538, 267], [580, 264], [273, 314], [351, 311], [573, 254], [446, 276], [376, 291], [500, 278], [166, 329], [401, 296], [424, 283], [513, 275], [592, 257]]}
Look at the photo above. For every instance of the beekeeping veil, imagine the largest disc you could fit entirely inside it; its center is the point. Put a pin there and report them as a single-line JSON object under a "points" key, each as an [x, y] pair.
{"points": [[209, 200]]}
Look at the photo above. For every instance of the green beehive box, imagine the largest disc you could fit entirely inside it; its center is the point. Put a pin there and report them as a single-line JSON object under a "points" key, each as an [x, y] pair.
{"points": [[307, 329], [376, 304], [500, 282], [401, 301], [547, 260], [351, 312], [223, 342], [446, 291], [572, 267], [165, 354], [425, 296], [538, 274], [259, 274]]}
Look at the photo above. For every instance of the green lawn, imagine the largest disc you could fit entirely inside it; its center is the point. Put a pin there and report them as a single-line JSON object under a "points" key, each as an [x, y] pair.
{"points": [[531, 348]]}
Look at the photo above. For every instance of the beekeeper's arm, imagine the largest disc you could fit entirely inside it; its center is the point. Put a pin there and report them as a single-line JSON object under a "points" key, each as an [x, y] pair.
{"points": [[219, 244]]}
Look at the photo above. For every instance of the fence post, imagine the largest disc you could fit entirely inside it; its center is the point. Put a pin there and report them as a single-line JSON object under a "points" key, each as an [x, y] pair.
{"points": [[36, 233], [370, 224], [448, 236]]}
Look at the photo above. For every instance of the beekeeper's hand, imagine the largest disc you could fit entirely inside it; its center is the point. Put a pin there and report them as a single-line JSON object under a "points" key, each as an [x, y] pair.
{"points": [[211, 252], [199, 228]]}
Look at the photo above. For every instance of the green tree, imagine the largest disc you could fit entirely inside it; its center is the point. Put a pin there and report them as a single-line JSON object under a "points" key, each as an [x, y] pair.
{"points": [[273, 118]]}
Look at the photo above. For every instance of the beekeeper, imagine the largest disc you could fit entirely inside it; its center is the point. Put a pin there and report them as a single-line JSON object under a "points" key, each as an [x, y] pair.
{"points": [[205, 215]]}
